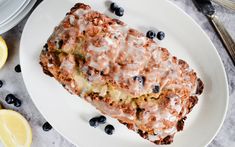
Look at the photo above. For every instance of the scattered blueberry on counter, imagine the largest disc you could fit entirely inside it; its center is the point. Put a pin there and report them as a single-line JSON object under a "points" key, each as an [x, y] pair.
{"points": [[1, 83], [46, 126], [11, 99], [17, 103], [109, 129], [17, 68], [94, 122], [119, 11], [151, 34], [160, 35]]}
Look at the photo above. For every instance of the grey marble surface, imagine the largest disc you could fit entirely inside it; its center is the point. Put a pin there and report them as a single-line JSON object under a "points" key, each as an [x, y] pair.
{"points": [[13, 82]]}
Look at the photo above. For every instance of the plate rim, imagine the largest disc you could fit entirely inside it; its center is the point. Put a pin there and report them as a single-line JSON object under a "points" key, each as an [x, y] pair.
{"points": [[221, 121], [223, 70], [221, 64]]}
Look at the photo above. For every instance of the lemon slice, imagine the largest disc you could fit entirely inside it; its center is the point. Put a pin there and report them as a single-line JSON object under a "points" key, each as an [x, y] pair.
{"points": [[14, 129], [3, 52]]}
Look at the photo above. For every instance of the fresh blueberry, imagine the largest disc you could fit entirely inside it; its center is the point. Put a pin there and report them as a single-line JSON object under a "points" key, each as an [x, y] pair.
{"points": [[151, 34], [10, 99], [101, 119], [113, 7], [109, 129], [18, 68], [156, 89], [1, 83], [45, 47], [46, 126], [60, 43], [140, 79], [160, 35], [17, 103], [94, 122], [119, 11], [102, 73]]}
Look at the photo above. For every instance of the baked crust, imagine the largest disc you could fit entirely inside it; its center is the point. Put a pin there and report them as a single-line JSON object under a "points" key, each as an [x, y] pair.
{"points": [[122, 73]]}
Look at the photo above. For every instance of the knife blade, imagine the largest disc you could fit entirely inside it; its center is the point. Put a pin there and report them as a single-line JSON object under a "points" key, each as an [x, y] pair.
{"points": [[206, 7]]}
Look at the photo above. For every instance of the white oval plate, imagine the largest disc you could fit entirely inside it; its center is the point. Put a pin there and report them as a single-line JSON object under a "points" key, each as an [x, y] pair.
{"points": [[69, 114]]}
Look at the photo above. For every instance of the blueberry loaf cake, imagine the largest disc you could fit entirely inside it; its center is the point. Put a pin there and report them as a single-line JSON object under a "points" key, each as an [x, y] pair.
{"points": [[122, 73]]}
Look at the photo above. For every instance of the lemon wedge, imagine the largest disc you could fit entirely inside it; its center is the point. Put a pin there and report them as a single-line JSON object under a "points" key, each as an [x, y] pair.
{"points": [[15, 130], [3, 52]]}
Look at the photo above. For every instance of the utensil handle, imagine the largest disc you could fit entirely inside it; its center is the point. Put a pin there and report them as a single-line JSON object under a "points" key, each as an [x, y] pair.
{"points": [[226, 3], [225, 36]]}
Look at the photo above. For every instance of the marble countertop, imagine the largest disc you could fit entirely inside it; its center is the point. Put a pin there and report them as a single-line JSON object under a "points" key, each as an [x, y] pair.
{"points": [[13, 82]]}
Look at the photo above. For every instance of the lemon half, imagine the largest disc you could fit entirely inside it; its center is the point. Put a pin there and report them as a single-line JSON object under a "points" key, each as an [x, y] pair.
{"points": [[15, 130], [3, 52]]}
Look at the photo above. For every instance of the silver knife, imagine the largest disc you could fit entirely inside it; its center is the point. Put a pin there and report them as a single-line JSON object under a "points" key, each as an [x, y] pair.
{"points": [[206, 7]]}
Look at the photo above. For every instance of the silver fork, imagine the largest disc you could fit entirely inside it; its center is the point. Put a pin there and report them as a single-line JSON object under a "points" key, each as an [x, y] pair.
{"points": [[226, 3]]}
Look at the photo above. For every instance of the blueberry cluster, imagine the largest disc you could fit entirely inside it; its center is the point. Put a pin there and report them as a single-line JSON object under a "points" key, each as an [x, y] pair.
{"points": [[152, 34], [11, 99], [95, 121], [119, 11]]}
